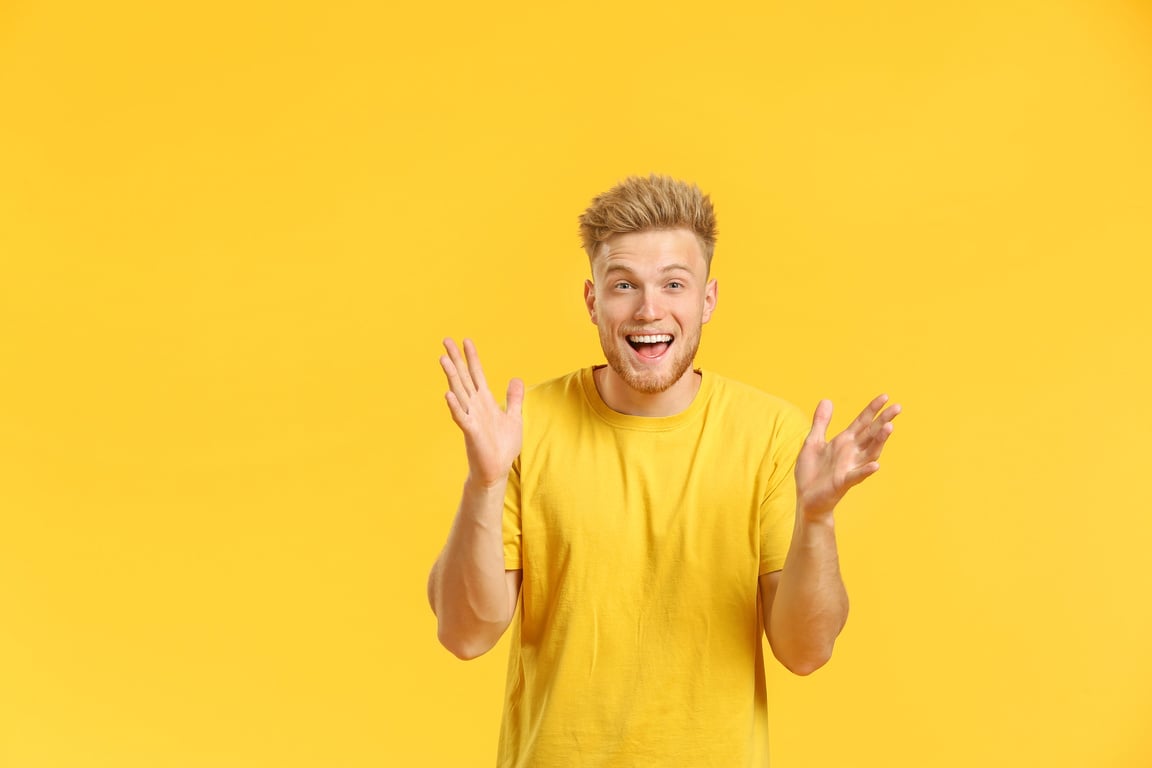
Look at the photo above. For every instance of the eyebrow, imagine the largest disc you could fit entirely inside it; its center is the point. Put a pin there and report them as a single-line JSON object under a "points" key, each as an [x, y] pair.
{"points": [[666, 268]]}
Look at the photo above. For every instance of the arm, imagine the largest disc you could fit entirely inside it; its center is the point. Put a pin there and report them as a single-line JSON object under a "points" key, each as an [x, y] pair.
{"points": [[805, 605], [472, 595]]}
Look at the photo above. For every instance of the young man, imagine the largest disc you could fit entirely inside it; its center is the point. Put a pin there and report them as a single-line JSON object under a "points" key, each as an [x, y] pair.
{"points": [[651, 520]]}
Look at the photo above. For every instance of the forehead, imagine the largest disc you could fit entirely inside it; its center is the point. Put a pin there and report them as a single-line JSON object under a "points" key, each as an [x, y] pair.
{"points": [[651, 249]]}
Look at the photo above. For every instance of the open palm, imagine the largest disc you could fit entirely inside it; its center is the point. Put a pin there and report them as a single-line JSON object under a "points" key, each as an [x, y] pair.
{"points": [[492, 435], [826, 470]]}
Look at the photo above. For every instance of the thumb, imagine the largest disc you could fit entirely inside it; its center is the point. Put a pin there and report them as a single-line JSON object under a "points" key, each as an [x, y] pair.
{"points": [[515, 397], [820, 421]]}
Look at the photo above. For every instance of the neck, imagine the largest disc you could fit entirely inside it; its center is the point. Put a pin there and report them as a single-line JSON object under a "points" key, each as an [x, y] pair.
{"points": [[620, 397]]}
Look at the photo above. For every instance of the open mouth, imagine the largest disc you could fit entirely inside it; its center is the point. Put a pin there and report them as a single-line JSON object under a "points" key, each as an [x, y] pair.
{"points": [[650, 346]]}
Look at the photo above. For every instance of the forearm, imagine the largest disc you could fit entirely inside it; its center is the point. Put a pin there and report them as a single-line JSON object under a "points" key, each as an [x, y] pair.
{"points": [[811, 604], [467, 587]]}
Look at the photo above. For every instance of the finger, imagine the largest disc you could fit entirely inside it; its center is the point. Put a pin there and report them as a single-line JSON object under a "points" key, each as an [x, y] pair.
{"points": [[820, 421], [868, 414], [862, 428], [891, 412], [454, 383], [881, 427], [459, 415], [871, 450], [474, 366], [461, 368], [515, 397], [861, 473]]}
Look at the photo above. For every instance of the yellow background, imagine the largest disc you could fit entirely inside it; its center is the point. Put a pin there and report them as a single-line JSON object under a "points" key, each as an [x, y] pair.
{"points": [[233, 235]]}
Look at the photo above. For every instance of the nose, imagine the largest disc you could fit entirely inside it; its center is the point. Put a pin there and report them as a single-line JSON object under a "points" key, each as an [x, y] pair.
{"points": [[649, 308]]}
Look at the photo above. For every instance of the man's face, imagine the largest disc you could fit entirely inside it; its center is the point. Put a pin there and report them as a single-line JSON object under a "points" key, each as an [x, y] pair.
{"points": [[649, 299]]}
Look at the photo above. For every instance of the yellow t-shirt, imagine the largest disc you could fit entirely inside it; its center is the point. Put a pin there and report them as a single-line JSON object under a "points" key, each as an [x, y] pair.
{"points": [[641, 540]]}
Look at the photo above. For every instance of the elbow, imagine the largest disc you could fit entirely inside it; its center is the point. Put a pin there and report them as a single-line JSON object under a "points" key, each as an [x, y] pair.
{"points": [[802, 653], [806, 666], [467, 645], [803, 662], [463, 648]]}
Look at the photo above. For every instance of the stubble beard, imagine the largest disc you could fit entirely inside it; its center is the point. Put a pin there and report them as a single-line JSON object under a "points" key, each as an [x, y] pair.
{"points": [[650, 382]]}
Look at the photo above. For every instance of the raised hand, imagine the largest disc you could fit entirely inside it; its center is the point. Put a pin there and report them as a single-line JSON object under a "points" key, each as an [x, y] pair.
{"points": [[492, 435], [826, 470]]}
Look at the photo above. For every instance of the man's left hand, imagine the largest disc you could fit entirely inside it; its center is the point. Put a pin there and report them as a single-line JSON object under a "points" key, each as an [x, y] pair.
{"points": [[826, 470]]}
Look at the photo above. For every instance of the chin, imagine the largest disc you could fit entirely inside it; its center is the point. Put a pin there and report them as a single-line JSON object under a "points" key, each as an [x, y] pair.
{"points": [[649, 381]]}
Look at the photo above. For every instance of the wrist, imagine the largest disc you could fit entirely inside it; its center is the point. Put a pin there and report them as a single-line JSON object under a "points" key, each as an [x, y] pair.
{"points": [[483, 504], [815, 515], [478, 487]]}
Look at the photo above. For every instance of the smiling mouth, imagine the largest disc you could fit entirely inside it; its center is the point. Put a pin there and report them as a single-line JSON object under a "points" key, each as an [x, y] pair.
{"points": [[650, 346]]}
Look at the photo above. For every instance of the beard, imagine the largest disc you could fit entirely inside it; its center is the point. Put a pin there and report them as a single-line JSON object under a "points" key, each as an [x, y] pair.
{"points": [[649, 381]]}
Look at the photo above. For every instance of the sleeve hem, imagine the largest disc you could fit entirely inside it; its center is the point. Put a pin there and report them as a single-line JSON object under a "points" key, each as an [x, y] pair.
{"points": [[771, 566]]}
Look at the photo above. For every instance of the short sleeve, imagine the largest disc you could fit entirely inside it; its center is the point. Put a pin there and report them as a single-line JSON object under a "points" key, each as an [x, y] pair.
{"points": [[778, 507], [513, 560]]}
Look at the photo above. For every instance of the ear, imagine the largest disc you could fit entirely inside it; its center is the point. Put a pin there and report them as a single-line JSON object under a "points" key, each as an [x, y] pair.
{"points": [[711, 296], [590, 299]]}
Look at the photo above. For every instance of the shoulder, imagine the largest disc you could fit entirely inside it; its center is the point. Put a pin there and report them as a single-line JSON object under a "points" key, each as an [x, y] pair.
{"points": [[560, 398], [758, 430], [746, 403], [556, 391], [554, 410]]}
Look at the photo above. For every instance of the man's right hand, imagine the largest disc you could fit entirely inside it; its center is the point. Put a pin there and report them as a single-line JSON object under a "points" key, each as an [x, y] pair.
{"points": [[492, 435]]}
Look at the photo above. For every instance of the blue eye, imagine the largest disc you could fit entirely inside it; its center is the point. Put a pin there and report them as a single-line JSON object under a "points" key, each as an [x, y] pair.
{"points": [[623, 284], [675, 284]]}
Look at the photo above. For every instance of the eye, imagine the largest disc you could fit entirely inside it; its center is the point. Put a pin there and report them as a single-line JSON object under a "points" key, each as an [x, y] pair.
{"points": [[622, 285], [675, 284]]}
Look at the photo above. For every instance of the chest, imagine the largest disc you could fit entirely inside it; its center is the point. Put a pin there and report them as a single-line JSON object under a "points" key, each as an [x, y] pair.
{"points": [[684, 497]]}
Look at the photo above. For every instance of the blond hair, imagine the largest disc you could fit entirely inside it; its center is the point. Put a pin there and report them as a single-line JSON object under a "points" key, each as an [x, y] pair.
{"points": [[641, 203]]}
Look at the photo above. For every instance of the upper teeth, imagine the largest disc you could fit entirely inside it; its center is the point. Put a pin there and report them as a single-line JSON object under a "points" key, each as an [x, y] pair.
{"points": [[650, 339]]}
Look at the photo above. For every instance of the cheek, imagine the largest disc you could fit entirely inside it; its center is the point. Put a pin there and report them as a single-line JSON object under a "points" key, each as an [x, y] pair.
{"points": [[611, 310], [706, 306], [692, 310]]}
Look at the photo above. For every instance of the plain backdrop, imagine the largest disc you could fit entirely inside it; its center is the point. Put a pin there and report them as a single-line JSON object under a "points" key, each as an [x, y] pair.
{"points": [[232, 236]]}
